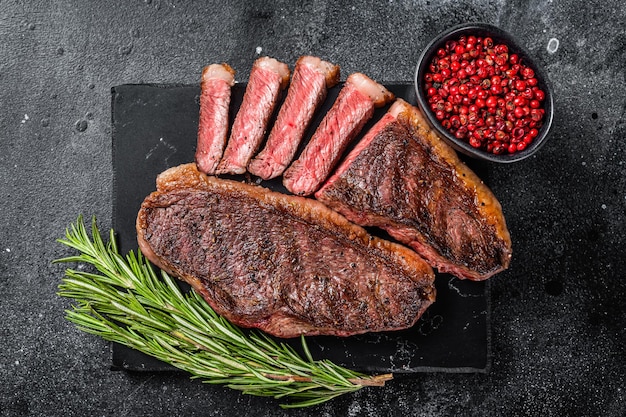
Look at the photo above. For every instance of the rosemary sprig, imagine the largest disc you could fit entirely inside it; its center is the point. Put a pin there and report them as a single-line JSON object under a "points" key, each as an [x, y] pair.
{"points": [[130, 303]]}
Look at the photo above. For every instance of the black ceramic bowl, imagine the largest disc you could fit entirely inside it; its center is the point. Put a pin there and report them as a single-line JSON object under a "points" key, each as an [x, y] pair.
{"points": [[499, 36]]}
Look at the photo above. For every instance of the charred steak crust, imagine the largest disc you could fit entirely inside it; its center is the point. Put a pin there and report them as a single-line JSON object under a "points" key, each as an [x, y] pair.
{"points": [[409, 183], [285, 264]]}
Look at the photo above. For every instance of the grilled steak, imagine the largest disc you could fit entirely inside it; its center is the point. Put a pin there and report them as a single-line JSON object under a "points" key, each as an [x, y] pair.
{"points": [[352, 109], [217, 79], [284, 264], [267, 79], [311, 79], [402, 178]]}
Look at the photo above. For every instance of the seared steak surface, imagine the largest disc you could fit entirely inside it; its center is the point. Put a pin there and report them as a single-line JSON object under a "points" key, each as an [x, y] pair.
{"points": [[406, 181], [284, 264]]}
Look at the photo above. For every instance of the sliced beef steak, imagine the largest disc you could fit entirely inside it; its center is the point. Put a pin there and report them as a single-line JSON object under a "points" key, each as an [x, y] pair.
{"points": [[267, 79], [402, 178], [310, 82], [284, 264], [343, 122], [217, 80]]}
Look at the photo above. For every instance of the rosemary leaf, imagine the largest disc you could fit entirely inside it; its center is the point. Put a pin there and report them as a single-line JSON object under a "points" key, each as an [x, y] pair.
{"points": [[128, 302]]}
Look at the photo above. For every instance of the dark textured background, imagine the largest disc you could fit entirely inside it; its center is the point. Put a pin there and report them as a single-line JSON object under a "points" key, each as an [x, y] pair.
{"points": [[558, 314]]}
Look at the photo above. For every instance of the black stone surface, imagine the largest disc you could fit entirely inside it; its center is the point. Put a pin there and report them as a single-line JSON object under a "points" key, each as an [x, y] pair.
{"points": [[558, 314], [155, 127]]}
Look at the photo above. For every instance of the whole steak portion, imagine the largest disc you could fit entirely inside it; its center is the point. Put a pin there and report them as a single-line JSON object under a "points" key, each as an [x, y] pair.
{"points": [[284, 264], [402, 178]]}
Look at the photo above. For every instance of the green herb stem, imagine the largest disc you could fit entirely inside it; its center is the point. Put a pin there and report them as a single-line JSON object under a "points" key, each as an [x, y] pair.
{"points": [[131, 303]]}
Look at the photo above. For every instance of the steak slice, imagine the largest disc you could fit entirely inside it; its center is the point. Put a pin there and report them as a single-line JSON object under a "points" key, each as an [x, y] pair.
{"points": [[310, 82], [345, 119], [268, 78], [402, 178], [217, 80], [284, 264]]}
